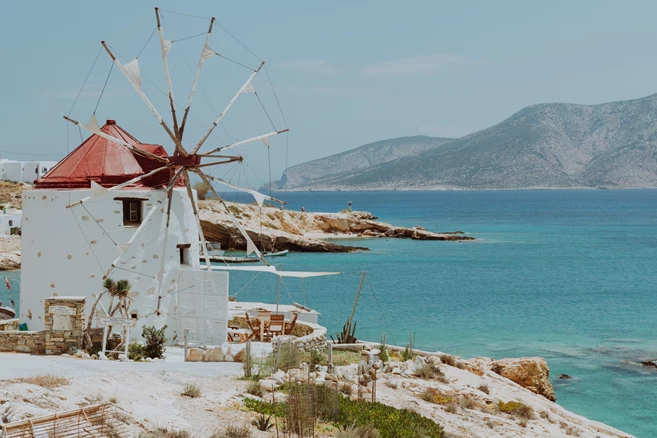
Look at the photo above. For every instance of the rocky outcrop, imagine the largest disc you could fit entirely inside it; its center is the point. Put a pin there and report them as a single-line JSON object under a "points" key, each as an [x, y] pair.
{"points": [[273, 228], [10, 253], [531, 373], [230, 237]]}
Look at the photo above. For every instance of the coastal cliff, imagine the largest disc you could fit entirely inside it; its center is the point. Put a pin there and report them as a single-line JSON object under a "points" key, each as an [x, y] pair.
{"points": [[273, 228]]}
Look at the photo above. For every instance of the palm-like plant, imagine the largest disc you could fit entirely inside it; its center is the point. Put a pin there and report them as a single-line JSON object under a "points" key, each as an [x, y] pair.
{"points": [[119, 289]]}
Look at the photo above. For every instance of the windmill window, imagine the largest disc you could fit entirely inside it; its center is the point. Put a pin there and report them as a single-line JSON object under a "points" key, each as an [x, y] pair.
{"points": [[184, 252], [131, 212]]}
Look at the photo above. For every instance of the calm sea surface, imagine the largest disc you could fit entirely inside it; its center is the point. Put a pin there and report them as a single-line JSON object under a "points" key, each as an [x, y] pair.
{"points": [[567, 275]]}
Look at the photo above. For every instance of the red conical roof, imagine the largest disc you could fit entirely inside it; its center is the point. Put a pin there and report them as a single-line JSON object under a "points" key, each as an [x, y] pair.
{"points": [[107, 163]]}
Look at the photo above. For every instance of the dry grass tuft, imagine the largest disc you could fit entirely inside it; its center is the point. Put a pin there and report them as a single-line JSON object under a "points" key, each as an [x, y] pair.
{"points": [[468, 403], [516, 408], [390, 384], [48, 381], [449, 360], [429, 371], [191, 390], [234, 432], [436, 396], [166, 433], [347, 389], [572, 431], [255, 388], [484, 388]]}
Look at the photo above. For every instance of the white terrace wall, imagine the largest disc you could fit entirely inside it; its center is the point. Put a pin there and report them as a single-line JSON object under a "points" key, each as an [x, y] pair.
{"points": [[66, 251]]}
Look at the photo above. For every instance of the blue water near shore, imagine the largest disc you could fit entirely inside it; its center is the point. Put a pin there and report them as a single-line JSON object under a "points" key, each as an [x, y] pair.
{"points": [[567, 275]]}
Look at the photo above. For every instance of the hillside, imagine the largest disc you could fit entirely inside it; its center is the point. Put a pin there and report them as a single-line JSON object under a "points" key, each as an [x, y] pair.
{"points": [[553, 145], [338, 167]]}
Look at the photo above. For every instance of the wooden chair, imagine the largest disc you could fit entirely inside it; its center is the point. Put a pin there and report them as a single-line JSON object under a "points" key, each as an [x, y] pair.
{"points": [[290, 326], [276, 324], [254, 326], [238, 335]]}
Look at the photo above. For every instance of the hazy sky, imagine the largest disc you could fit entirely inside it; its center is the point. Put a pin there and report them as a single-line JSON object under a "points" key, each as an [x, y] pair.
{"points": [[346, 72]]}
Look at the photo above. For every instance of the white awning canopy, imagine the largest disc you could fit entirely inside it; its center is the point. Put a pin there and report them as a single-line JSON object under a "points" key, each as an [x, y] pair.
{"points": [[272, 270]]}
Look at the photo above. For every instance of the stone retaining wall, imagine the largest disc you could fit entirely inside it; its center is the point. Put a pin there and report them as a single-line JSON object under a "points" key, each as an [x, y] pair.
{"points": [[23, 342], [315, 340], [64, 321], [9, 324]]}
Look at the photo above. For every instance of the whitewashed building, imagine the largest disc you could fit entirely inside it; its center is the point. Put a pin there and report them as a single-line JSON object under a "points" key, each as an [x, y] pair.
{"points": [[24, 171], [9, 218], [67, 251]]}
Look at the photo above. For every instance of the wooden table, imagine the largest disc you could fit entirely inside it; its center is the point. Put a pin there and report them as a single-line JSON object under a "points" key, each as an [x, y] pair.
{"points": [[263, 317]]}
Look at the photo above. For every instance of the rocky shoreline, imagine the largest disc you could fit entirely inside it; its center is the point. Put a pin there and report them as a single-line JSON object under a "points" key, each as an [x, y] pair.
{"points": [[273, 228]]}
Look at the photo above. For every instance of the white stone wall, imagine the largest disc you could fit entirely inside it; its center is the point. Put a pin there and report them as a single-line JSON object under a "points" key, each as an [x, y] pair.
{"points": [[66, 251], [24, 171], [11, 170]]}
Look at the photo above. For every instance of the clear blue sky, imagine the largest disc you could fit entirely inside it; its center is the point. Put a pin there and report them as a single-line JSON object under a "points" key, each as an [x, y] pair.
{"points": [[346, 72]]}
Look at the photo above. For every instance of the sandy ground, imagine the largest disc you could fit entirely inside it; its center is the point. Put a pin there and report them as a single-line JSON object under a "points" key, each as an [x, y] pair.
{"points": [[151, 394]]}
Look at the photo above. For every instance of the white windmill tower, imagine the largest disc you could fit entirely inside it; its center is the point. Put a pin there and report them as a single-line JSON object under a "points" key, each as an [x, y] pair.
{"points": [[76, 236]]}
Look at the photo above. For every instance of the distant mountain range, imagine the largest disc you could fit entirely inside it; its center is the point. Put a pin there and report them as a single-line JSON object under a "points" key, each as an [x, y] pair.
{"points": [[554, 145]]}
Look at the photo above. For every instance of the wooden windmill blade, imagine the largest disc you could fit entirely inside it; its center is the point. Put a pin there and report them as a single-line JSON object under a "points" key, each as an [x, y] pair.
{"points": [[250, 246]]}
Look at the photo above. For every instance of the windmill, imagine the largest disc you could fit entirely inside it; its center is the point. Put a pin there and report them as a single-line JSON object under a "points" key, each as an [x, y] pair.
{"points": [[185, 160]]}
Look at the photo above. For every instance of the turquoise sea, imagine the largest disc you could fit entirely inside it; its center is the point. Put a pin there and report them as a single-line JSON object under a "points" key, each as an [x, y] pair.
{"points": [[567, 275]]}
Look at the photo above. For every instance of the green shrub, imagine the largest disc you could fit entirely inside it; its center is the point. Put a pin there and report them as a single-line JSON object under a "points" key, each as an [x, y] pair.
{"points": [[155, 340], [391, 422], [516, 408], [136, 352], [383, 348], [263, 407], [263, 422], [407, 354]]}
